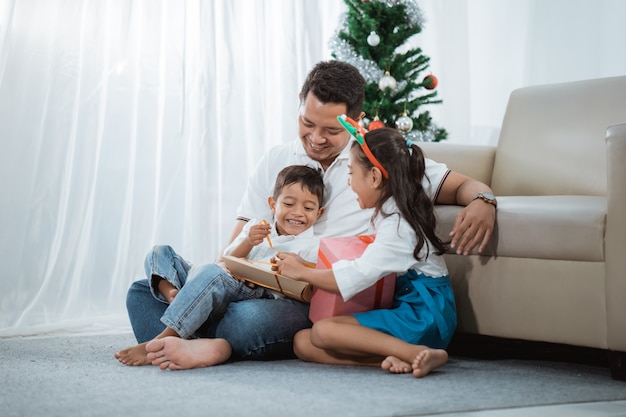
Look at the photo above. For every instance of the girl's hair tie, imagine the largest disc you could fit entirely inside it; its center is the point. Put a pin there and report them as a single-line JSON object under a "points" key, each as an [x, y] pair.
{"points": [[409, 143]]}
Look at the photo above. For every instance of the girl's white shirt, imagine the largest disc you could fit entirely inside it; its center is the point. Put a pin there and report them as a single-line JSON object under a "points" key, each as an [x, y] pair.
{"points": [[391, 251]]}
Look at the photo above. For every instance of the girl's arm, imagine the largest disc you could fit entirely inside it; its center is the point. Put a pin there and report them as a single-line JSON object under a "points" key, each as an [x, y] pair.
{"points": [[290, 266]]}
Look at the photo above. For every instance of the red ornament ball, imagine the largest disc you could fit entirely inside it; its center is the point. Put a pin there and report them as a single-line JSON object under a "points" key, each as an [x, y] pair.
{"points": [[375, 124], [430, 82]]}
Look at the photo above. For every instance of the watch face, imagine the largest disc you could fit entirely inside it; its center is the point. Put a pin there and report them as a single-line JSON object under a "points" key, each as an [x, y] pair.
{"points": [[488, 196]]}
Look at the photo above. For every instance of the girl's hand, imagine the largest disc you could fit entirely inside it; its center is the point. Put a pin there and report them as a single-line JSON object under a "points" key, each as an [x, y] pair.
{"points": [[290, 265], [258, 232]]}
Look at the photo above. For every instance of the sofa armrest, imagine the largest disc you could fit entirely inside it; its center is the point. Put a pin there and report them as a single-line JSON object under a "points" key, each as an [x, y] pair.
{"points": [[475, 161], [615, 240]]}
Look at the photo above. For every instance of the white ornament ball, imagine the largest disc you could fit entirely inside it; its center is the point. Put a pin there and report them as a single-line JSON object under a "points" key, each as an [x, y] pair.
{"points": [[373, 39], [387, 81], [404, 123]]}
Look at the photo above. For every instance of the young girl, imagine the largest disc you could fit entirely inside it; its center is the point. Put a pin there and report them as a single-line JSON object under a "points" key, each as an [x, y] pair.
{"points": [[385, 172]]}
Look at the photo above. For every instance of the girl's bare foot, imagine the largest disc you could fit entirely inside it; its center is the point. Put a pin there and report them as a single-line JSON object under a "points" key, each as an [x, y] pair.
{"points": [[395, 365], [134, 356], [427, 360], [174, 353]]}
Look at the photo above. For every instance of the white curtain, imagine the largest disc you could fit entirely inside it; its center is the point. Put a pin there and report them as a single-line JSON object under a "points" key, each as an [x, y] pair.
{"points": [[125, 124]]}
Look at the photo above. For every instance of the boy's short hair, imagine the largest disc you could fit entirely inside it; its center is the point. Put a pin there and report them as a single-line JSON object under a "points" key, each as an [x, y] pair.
{"points": [[310, 178], [336, 82]]}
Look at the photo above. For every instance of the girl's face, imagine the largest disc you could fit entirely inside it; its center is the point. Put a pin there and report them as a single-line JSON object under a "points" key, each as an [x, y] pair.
{"points": [[363, 182], [295, 210]]}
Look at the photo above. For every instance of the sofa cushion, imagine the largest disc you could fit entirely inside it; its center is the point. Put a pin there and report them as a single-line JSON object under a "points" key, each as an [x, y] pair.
{"points": [[543, 227], [552, 138]]}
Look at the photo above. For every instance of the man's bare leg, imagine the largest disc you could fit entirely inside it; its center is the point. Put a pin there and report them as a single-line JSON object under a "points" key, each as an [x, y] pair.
{"points": [[138, 355], [175, 353]]}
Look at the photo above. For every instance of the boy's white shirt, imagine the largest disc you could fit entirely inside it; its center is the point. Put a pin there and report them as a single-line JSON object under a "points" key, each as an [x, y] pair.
{"points": [[305, 244], [391, 251]]}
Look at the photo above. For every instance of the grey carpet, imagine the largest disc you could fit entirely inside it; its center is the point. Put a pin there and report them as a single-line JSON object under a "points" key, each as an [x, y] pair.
{"points": [[78, 376]]}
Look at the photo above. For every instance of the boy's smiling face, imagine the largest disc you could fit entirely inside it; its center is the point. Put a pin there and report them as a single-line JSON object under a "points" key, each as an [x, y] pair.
{"points": [[295, 210]]}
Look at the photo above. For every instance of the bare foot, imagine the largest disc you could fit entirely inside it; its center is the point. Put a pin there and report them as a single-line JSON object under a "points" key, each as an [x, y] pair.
{"points": [[427, 360], [170, 294], [134, 356], [174, 353], [166, 288], [395, 365]]}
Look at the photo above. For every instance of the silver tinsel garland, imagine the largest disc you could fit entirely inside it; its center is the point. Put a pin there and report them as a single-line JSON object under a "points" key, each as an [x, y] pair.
{"points": [[368, 68], [413, 12]]}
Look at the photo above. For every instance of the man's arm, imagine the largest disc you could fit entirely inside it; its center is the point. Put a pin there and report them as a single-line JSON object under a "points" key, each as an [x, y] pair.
{"points": [[475, 223]]}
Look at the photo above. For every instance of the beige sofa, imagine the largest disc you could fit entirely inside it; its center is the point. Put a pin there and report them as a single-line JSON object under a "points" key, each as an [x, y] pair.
{"points": [[555, 270]]}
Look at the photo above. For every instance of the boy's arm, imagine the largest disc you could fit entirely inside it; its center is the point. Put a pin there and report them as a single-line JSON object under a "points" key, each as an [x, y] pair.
{"points": [[255, 236]]}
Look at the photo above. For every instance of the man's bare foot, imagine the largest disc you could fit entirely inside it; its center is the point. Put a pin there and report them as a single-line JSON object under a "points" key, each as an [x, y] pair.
{"points": [[427, 360], [395, 365], [175, 354], [134, 356]]}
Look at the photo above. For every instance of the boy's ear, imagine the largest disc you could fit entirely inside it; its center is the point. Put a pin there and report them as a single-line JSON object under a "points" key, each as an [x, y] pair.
{"points": [[272, 204], [320, 212]]}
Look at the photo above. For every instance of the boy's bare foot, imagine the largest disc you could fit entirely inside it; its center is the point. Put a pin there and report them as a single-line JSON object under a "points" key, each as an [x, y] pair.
{"points": [[427, 360], [166, 288], [175, 354], [395, 365], [134, 356], [170, 294]]}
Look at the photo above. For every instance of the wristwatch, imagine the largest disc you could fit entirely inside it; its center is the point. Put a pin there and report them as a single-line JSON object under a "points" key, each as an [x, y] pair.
{"points": [[487, 198]]}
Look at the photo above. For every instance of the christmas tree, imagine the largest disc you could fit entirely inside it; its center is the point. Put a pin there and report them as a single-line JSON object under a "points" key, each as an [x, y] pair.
{"points": [[373, 36]]}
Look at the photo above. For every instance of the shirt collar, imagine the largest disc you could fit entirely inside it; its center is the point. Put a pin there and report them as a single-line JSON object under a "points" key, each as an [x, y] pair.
{"points": [[307, 233]]}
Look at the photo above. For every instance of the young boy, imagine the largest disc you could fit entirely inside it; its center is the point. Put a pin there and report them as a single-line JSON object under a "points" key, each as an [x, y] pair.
{"points": [[296, 204]]}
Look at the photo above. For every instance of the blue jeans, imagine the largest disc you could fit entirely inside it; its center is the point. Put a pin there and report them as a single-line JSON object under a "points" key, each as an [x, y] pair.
{"points": [[256, 328]]}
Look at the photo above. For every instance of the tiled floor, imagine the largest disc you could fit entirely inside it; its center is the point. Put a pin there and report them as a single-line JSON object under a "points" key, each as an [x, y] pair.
{"points": [[594, 409]]}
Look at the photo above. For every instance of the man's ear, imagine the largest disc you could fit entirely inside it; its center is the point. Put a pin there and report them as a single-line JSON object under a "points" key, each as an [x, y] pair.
{"points": [[272, 203]]}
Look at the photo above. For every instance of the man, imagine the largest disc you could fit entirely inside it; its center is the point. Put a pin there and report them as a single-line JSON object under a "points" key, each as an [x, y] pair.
{"points": [[264, 328]]}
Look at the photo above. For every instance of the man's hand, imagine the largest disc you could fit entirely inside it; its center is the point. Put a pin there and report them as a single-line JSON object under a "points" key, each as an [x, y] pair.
{"points": [[473, 227]]}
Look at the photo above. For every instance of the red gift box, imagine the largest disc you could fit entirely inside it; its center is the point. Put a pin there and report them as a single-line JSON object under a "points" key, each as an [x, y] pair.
{"points": [[326, 304]]}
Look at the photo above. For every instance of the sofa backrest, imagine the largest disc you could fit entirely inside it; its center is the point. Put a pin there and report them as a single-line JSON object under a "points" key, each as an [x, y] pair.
{"points": [[552, 140]]}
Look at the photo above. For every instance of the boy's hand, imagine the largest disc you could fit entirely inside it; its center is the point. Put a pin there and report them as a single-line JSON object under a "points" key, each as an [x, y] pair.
{"points": [[258, 232]]}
